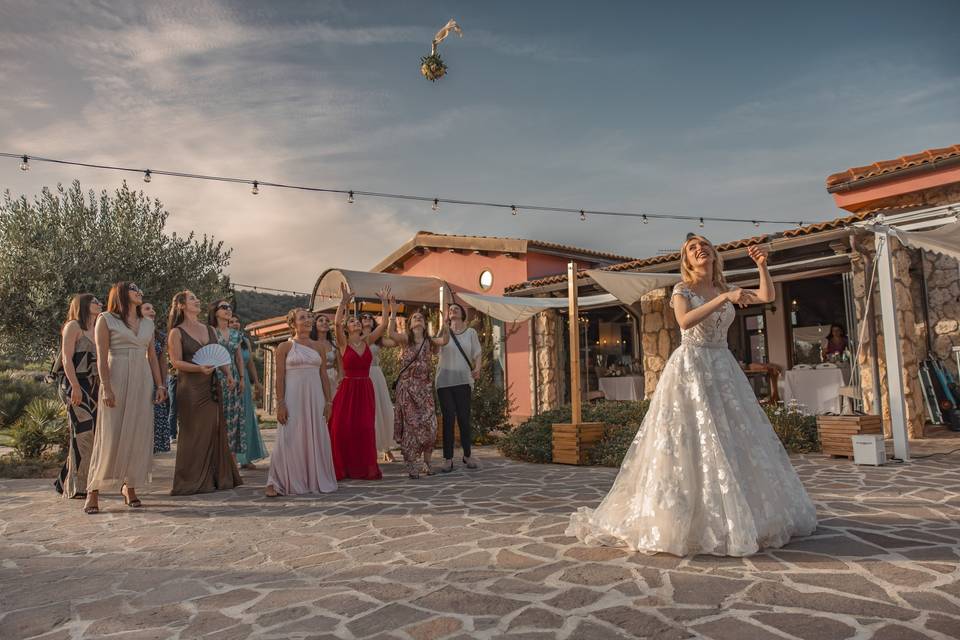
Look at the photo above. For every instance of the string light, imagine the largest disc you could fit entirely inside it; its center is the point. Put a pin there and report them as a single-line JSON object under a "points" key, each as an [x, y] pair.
{"points": [[146, 176], [756, 224], [514, 208], [583, 216], [350, 198], [701, 223]]}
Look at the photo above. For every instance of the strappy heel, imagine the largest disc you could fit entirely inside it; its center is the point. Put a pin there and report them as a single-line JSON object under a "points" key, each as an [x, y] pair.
{"points": [[133, 504]]}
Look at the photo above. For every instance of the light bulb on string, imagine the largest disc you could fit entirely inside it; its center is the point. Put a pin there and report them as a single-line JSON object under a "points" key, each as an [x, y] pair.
{"points": [[256, 188], [513, 209], [25, 164], [436, 204], [756, 224], [645, 220], [701, 223], [146, 176], [350, 198], [583, 216]]}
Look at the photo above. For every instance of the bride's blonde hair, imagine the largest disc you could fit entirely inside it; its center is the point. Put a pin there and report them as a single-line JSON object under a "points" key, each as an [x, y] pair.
{"points": [[687, 272]]}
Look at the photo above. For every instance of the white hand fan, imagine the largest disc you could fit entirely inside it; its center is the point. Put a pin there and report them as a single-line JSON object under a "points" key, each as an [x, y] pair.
{"points": [[212, 355]]}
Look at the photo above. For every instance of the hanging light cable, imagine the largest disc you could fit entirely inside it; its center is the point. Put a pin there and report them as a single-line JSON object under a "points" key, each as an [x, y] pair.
{"points": [[25, 164], [436, 204], [350, 198], [146, 176]]}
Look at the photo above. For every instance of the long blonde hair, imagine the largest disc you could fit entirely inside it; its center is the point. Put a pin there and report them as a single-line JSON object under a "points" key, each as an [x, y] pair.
{"points": [[688, 273]]}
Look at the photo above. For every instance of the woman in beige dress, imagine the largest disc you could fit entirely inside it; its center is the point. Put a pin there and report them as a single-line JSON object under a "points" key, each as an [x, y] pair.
{"points": [[129, 386], [204, 462]]}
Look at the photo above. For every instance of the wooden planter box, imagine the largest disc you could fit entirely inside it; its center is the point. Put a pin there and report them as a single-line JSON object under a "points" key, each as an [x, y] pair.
{"points": [[836, 432], [572, 442]]}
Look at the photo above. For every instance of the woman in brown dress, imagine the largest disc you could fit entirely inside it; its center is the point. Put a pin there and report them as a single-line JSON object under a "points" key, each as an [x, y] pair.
{"points": [[204, 462], [415, 415]]}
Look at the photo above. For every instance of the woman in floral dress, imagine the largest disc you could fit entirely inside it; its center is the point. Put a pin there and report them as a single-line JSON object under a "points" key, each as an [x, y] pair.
{"points": [[161, 412], [415, 418], [231, 377]]}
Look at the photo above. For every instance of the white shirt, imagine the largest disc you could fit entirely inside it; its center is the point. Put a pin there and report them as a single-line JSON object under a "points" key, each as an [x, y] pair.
{"points": [[453, 370]]}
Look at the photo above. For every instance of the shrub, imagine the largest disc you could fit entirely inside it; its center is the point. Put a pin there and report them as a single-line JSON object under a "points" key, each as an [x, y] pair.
{"points": [[17, 390], [797, 431], [42, 425]]}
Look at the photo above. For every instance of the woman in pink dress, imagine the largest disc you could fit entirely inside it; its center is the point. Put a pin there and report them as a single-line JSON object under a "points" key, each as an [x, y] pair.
{"points": [[302, 460], [352, 433]]}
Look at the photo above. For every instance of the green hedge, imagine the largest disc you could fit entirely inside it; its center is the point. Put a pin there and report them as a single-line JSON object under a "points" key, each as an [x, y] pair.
{"points": [[532, 441]]}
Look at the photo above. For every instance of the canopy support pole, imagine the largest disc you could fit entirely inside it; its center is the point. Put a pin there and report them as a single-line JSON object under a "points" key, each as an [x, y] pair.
{"points": [[574, 326], [891, 332]]}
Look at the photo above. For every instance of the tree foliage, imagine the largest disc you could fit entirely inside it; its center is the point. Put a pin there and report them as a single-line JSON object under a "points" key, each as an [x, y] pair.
{"points": [[67, 242]]}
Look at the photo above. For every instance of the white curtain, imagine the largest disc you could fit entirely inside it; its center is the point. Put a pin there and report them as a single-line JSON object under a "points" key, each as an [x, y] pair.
{"points": [[511, 309]]}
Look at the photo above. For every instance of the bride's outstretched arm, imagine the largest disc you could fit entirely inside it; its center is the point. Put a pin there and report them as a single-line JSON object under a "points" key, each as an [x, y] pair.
{"points": [[766, 292]]}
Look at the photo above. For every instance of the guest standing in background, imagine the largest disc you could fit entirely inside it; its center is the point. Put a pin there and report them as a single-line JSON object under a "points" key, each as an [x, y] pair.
{"points": [[78, 386], [835, 344], [204, 462], [415, 426], [354, 407], [231, 377], [130, 384], [302, 460], [383, 425], [256, 450], [457, 370], [161, 412], [322, 332]]}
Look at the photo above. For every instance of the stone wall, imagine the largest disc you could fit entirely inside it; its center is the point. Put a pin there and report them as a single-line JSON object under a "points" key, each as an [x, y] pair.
{"points": [[659, 336], [943, 296], [861, 264], [548, 385]]}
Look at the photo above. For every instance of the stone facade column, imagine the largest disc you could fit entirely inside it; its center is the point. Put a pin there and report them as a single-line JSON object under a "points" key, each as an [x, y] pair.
{"points": [[548, 384], [913, 393], [659, 335], [943, 295]]}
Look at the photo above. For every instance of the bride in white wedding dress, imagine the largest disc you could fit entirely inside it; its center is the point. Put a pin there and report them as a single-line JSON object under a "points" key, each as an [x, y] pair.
{"points": [[706, 473]]}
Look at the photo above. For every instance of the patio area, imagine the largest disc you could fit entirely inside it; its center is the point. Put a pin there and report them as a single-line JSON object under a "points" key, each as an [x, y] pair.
{"points": [[474, 555]]}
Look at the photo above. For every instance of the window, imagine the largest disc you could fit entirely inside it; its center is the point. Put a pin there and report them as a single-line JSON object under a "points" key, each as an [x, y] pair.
{"points": [[486, 280]]}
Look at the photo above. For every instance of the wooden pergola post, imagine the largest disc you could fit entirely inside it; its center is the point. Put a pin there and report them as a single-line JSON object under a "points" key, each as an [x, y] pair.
{"points": [[572, 442]]}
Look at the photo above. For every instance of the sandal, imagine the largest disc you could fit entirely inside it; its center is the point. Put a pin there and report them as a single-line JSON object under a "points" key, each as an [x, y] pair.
{"points": [[91, 509], [427, 469], [133, 504], [271, 492]]}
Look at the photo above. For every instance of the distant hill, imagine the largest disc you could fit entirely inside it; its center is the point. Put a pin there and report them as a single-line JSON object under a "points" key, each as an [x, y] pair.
{"points": [[255, 305]]}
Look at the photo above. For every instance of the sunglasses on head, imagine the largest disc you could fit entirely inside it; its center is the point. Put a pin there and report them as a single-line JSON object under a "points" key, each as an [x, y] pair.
{"points": [[95, 301], [223, 306], [135, 288]]}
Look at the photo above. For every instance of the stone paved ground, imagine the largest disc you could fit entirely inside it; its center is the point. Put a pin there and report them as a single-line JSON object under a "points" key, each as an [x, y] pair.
{"points": [[473, 555]]}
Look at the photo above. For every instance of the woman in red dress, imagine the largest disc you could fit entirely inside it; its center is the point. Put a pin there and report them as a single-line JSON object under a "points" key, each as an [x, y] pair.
{"points": [[352, 434]]}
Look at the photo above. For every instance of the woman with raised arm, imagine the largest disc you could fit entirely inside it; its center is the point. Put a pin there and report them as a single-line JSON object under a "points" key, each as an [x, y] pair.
{"points": [[78, 386], [457, 370], [302, 460], [383, 424], [322, 333], [204, 462], [354, 408], [256, 450], [705, 473], [130, 384], [415, 422]]}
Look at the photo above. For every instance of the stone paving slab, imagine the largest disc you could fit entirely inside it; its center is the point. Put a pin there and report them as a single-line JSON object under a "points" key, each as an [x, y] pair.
{"points": [[473, 555]]}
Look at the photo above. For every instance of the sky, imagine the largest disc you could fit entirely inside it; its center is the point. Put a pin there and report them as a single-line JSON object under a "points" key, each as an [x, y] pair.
{"points": [[738, 109]]}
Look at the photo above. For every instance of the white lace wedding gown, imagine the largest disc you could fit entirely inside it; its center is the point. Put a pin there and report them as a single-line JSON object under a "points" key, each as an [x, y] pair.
{"points": [[706, 473]]}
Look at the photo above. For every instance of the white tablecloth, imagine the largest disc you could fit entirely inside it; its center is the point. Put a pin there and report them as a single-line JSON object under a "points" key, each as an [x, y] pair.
{"points": [[818, 390], [622, 388]]}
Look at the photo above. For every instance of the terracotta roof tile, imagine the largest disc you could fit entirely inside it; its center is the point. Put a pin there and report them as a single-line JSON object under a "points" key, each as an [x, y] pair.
{"points": [[883, 167], [634, 265], [538, 243]]}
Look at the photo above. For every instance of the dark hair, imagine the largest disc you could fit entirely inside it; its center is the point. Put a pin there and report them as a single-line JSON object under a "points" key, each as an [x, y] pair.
{"points": [[244, 340], [463, 312], [409, 331], [119, 301], [79, 310], [175, 315], [212, 311], [315, 334], [373, 327], [843, 332]]}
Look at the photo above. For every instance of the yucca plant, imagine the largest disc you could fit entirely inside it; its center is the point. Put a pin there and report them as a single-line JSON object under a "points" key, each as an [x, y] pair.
{"points": [[42, 425]]}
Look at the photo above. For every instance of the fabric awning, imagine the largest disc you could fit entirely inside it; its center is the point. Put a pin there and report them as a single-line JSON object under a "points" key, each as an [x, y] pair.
{"points": [[510, 309], [629, 286], [407, 289], [944, 240]]}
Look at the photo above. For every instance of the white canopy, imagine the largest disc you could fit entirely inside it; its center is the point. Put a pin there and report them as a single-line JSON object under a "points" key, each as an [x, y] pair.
{"points": [[630, 286], [511, 309], [944, 240], [365, 285]]}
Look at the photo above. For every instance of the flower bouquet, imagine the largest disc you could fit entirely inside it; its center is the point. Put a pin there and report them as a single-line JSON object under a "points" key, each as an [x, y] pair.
{"points": [[432, 67]]}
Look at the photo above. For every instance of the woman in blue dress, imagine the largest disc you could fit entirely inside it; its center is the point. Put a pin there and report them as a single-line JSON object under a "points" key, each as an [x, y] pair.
{"points": [[230, 376], [251, 427]]}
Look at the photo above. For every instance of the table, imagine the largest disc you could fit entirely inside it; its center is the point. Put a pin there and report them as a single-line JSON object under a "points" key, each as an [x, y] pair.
{"points": [[818, 390], [622, 387]]}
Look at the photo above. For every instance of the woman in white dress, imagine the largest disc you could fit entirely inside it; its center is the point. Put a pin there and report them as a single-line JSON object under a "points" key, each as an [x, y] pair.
{"points": [[706, 473], [381, 391], [302, 459]]}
